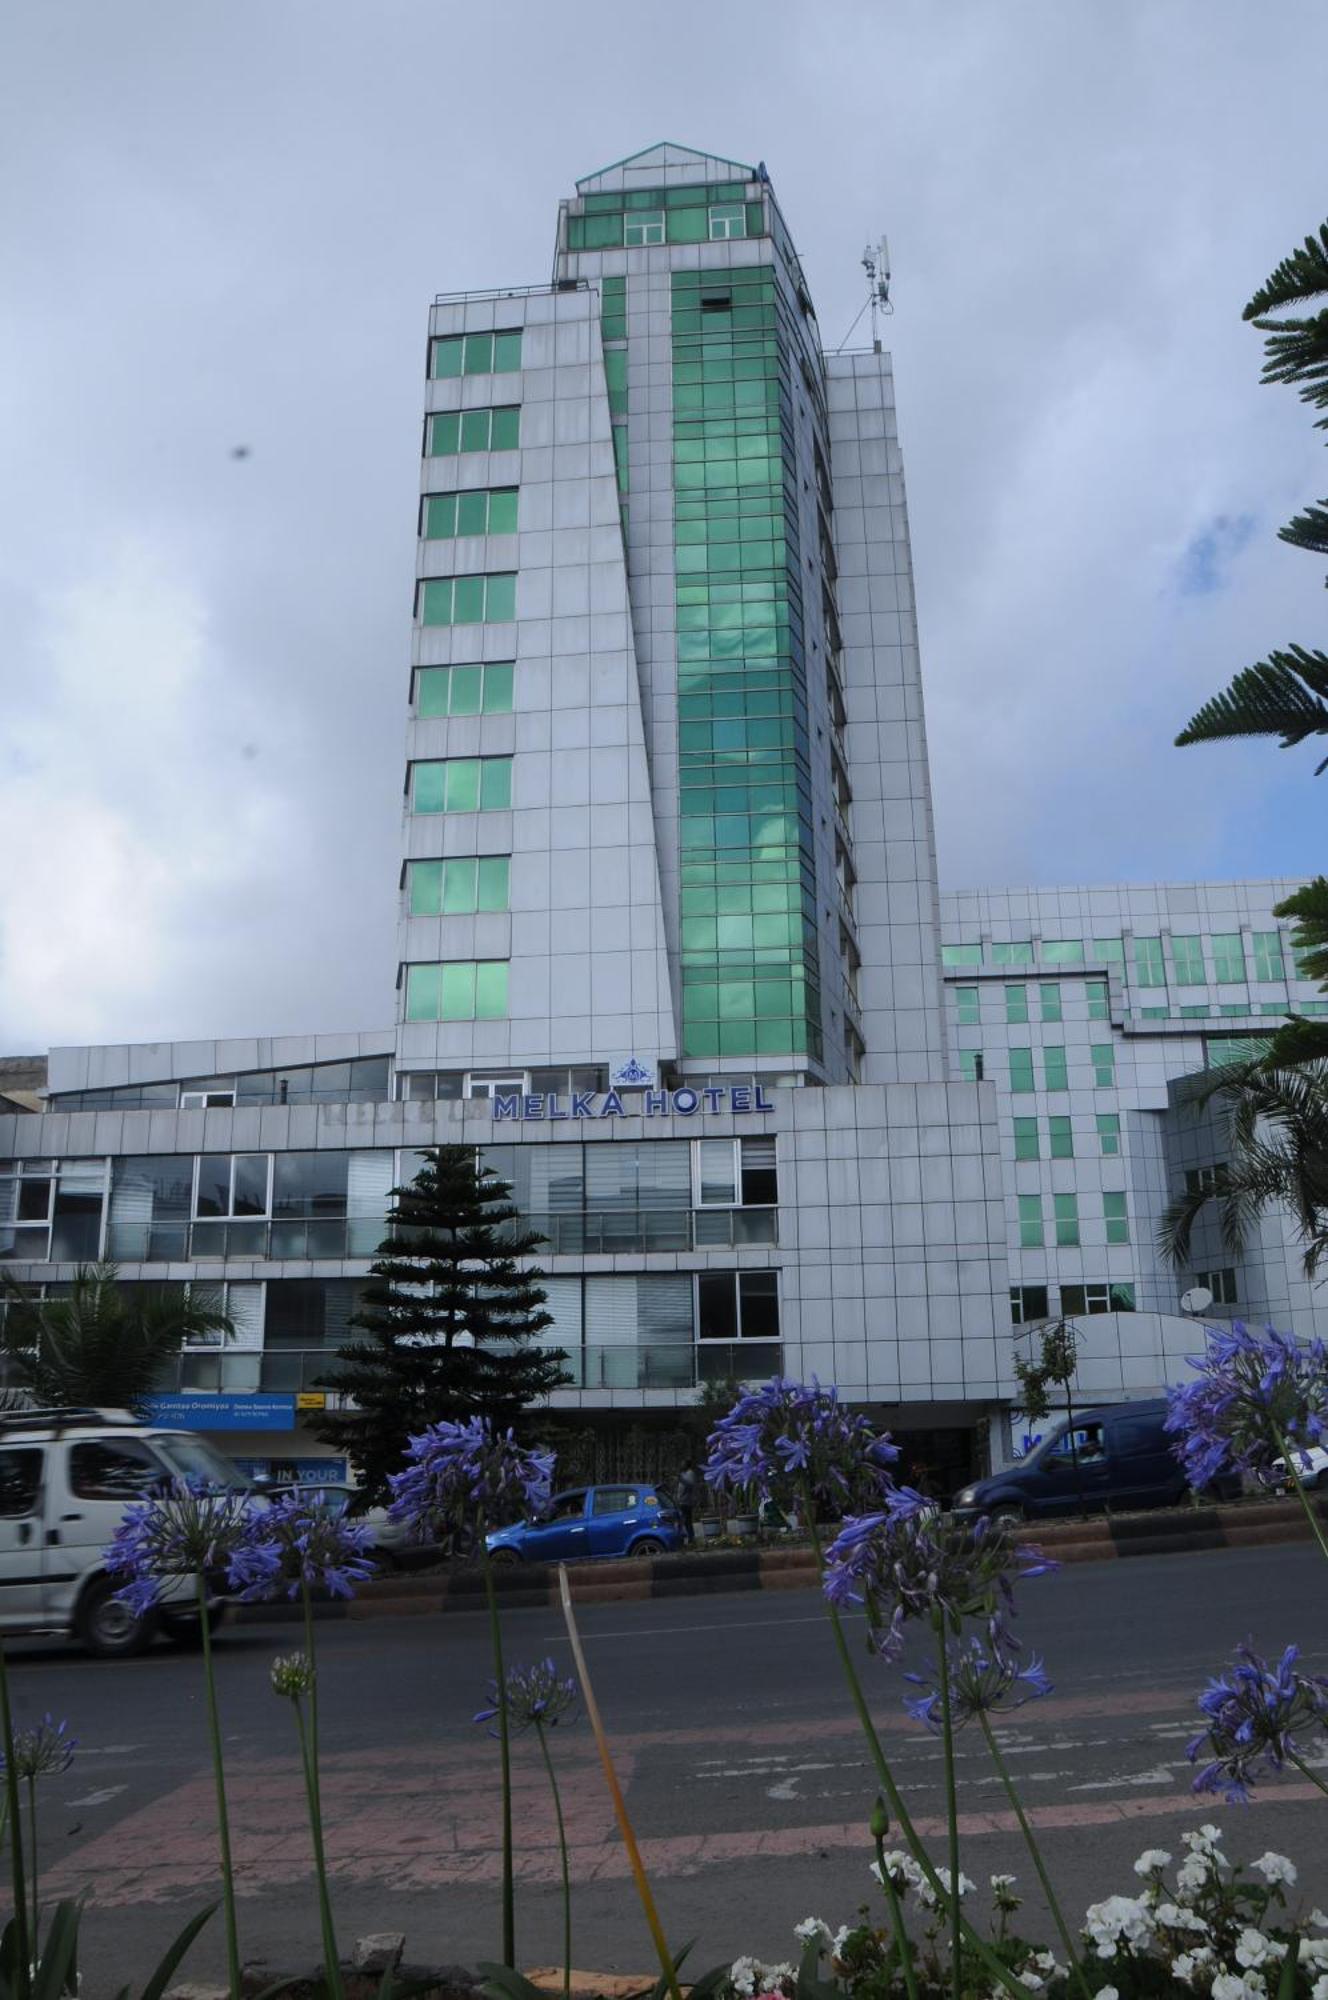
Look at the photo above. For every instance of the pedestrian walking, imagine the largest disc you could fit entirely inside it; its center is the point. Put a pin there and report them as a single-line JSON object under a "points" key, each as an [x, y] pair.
{"points": [[688, 1479]]}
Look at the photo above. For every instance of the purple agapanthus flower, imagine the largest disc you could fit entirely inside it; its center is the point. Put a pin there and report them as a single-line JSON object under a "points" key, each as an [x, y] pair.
{"points": [[459, 1473], [910, 1561], [537, 1697], [786, 1437], [1254, 1714], [1255, 1395], [42, 1751], [982, 1682], [301, 1542], [184, 1529]]}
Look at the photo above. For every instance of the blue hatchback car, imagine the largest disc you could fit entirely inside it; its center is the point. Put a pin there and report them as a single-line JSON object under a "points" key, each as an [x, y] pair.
{"points": [[593, 1521]]}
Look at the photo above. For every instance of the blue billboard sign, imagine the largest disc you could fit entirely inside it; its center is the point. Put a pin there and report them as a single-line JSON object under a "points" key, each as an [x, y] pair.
{"points": [[223, 1413]]}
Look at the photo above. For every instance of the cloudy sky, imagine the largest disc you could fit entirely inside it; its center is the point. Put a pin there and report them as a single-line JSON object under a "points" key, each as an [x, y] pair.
{"points": [[221, 227]]}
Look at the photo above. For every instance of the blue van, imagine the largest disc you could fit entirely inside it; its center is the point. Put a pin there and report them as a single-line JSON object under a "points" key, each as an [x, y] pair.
{"points": [[1122, 1459]]}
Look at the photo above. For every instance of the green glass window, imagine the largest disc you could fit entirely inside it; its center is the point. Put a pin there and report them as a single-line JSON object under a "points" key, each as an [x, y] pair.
{"points": [[958, 955], [615, 377], [1268, 961], [1060, 1133], [1155, 1013], [646, 226], [462, 990], [462, 784], [613, 308], [458, 887], [466, 690], [1062, 951], [1228, 958], [1149, 969], [1012, 954], [970, 1065], [967, 1009], [451, 431], [1104, 1064], [1108, 1131], [1016, 1004], [620, 455], [727, 220], [1117, 1218], [1066, 1208], [489, 511], [1109, 950], [1197, 1013], [1021, 1069], [1026, 1139], [468, 600], [476, 353], [1054, 1070], [1049, 997], [1187, 959], [1030, 1222], [1099, 999]]}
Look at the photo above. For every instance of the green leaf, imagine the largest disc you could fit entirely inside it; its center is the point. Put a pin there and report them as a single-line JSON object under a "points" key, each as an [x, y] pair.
{"points": [[160, 1979], [57, 1973], [1281, 696], [1286, 1985]]}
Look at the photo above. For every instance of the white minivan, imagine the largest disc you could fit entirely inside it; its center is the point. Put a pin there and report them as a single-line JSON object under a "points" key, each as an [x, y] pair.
{"points": [[66, 1477]]}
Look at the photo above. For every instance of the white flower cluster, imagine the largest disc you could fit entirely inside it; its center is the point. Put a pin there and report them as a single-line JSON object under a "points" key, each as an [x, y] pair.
{"points": [[749, 1976]]}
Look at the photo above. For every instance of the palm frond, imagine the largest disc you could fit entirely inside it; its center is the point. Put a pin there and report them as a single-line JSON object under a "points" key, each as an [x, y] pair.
{"points": [[1301, 276], [1296, 350], [1285, 695], [1308, 530], [1308, 906]]}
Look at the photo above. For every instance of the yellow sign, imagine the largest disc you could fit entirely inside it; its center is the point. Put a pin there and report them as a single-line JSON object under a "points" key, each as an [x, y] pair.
{"points": [[312, 1399]]}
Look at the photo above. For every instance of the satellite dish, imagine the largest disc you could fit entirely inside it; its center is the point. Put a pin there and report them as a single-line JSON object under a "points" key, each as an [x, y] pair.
{"points": [[1196, 1300]]}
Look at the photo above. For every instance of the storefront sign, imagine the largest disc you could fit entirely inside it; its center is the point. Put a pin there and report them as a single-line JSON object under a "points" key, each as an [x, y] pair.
{"points": [[295, 1471], [223, 1413], [540, 1106]]}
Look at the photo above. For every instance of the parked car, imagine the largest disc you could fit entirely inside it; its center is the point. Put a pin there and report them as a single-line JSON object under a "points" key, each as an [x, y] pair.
{"points": [[66, 1477], [589, 1521], [1122, 1458], [1311, 1464]]}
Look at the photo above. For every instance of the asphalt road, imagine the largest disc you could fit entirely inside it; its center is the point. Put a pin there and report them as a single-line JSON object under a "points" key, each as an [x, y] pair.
{"points": [[745, 1777]]}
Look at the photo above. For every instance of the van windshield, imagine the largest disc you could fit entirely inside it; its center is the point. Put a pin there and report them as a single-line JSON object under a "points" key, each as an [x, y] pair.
{"points": [[194, 1458]]}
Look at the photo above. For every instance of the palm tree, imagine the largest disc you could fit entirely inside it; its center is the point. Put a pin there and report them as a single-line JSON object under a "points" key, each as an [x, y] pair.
{"points": [[100, 1343], [1285, 695], [1278, 1133]]}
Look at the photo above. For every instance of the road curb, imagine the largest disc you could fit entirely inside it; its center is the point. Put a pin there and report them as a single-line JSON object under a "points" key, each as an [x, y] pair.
{"points": [[534, 1586]]}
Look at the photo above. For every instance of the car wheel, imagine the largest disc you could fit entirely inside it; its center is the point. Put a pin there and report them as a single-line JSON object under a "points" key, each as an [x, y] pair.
{"points": [[187, 1633], [109, 1629], [504, 1558], [1008, 1511], [647, 1546]]}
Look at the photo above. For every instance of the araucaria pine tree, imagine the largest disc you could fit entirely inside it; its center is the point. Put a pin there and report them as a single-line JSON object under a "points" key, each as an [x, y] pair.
{"points": [[450, 1320]]}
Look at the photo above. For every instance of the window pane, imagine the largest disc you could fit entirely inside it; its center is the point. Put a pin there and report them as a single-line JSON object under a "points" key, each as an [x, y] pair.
{"points": [[444, 433], [465, 688], [1054, 1069], [214, 1185], [1268, 963], [431, 690], [475, 430], [500, 598], [457, 988], [472, 513], [1030, 1221], [1117, 1219], [479, 354], [717, 1306], [758, 1296], [502, 510], [250, 1196], [427, 787], [436, 601], [1026, 1139], [1228, 958], [440, 511], [1067, 1219], [1062, 951], [1109, 950], [423, 986], [1050, 997], [966, 1006], [425, 884], [1021, 1069], [1104, 1063], [459, 886], [1108, 1131], [491, 991], [447, 356], [1016, 1003], [1012, 954], [309, 1184], [1061, 1134], [463, 784], [1148, 967], [507, 428], [492, 889], [506, 352], [498, 688], [961, 954], [1098, 1000], [1187, 957], [715, 1171], [468, 600], [495, 787]]}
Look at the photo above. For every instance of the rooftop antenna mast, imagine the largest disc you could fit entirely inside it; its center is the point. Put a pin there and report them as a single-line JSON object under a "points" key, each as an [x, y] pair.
{"points": [[876, 263]]}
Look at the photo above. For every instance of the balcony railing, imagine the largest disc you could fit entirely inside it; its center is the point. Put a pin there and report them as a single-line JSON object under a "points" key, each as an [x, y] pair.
{"points": [[673, 1365], [341, 1237]]}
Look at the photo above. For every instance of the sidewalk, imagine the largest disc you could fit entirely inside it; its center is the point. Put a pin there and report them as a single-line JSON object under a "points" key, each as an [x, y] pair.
{"points": [[1162, 1532]]}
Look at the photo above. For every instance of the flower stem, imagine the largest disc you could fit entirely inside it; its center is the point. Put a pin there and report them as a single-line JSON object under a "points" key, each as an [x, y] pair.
{"points": [[894, 1799], [562, 1856], [904, 1948], [1305, 1770], [32, 1838], [20, 1918], [504, 1754], [666, 1961], [951, 1802], [1302, 1493], [308, 1757], [1030, 1841], [219, 1779]]}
